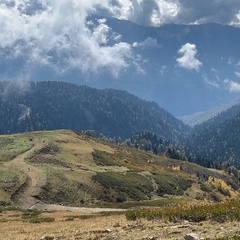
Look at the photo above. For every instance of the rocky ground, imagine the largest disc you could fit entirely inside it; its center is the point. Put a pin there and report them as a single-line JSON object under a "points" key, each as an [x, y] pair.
{"points": [[70, 225]]}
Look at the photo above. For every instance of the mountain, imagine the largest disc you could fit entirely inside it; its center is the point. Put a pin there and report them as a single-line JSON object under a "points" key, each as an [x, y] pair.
{"points": [[218, 138], [58, 105], [68, 168], [201, 117]]}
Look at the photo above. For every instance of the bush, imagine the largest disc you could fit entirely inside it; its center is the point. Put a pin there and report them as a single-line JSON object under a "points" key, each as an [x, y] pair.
{"points": [[171, 184], [126, 185], [41, 220], [220, 212]]}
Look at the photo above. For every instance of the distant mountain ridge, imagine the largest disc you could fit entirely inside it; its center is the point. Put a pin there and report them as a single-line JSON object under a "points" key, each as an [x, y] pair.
{"points": [[58, 105], [218, 138], [201, 117]]}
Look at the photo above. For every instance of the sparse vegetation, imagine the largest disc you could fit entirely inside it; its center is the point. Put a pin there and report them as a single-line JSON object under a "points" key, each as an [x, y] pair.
{"points": [[228, 238], [124, 185], [220, 212], [33, 216], [103, 158], [30, 214], [42, 220], [172, 184]]}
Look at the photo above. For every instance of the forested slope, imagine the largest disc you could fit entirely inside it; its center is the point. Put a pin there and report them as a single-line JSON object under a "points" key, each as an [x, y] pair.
{"points": [[59, 105]]}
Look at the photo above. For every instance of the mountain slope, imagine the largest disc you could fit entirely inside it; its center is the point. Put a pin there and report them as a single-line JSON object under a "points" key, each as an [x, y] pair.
{"points": [[218, 138], [58, 105], [62, 167]]}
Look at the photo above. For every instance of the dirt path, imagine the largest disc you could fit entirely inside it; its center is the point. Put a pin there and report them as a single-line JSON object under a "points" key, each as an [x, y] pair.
{"points": [[56, 207], [24, 196]]}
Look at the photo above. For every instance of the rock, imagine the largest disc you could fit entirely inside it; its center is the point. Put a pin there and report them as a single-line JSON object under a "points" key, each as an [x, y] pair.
{"points": [[153, 238], [192, 236], [47, 238]]}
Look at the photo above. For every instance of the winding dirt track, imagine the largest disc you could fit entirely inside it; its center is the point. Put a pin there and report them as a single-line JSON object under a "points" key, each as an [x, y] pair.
{"points": [[26, 196]]}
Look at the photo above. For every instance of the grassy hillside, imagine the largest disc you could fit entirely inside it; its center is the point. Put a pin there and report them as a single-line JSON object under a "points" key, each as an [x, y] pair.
{"points": [[63, 167]]}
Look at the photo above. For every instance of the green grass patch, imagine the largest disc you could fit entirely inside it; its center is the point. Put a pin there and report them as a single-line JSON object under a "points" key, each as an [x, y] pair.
{"points": [[172, 184], [125, 186], [29, 214], [103, 158], [42, 220], [13, 145], [220, 212], [7, 208], [33, 216], [8, 178], [3, 220]]}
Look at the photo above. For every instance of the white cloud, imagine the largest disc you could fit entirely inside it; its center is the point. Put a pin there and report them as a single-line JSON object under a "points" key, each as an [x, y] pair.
{"points": [[147, 43], [158, 12], [188, 59], [57, 35], [211, 82], [162, 70], [232, 86], [237, 74]]}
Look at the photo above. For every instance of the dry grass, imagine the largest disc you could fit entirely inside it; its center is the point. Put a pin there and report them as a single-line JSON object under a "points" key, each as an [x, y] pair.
{"points": [[112, 227]]}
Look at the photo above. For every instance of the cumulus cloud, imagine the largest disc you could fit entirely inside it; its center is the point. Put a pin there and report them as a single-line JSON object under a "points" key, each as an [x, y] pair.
{"points": [[232, 86], [57, 34], [188, 59]]}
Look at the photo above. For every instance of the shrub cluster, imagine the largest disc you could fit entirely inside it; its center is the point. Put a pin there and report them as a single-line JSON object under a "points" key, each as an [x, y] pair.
{"points": [[220, 212]]}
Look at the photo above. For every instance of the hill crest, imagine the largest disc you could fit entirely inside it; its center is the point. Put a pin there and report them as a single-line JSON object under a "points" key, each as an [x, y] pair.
{"points": [[63, 167]]}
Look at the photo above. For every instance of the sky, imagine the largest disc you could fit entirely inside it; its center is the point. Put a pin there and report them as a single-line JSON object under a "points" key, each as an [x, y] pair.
{"points": [[57, 34], [42, 31]]}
